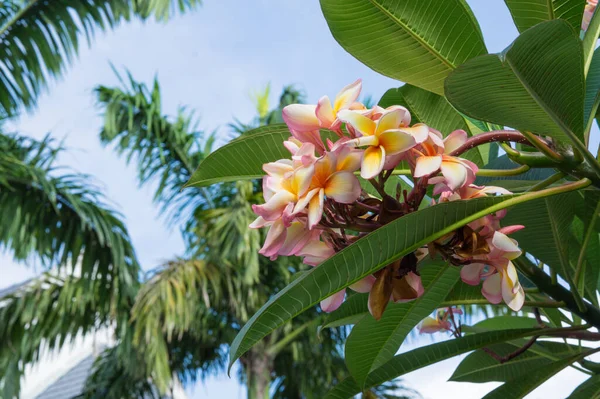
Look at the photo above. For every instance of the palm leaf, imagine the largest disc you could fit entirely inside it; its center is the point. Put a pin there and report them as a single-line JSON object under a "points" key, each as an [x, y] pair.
{"points": [[39, 39]]}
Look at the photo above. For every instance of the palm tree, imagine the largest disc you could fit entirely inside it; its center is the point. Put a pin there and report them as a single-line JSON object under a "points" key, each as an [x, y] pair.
{"points": [[49, 212], [62, 219], [39, 38], [189, 310]]}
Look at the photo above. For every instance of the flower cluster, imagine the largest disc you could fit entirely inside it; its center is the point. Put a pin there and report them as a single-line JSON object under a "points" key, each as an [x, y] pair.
{"points": [[315, 205]]}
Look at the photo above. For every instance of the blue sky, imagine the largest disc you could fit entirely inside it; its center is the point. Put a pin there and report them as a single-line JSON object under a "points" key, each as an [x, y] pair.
{"points": [[211, 60]]}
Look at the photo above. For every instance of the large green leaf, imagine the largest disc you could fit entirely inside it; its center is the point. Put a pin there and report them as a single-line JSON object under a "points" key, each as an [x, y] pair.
{"points": [[367, 255], [373, 342], [434, 111], [416, 41], [590, 389], [519, 387], [536, 85], [592, 90], [479, 366], [425, 356], [551, 236], [532, 12], [351, 312], [244, 157]]}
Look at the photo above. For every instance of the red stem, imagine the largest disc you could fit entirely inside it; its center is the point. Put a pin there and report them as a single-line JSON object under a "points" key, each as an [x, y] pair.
{"points": [[490, 137]]}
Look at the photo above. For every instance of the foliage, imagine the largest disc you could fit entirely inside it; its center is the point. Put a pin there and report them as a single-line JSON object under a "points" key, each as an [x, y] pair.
{"points": [[60, 218], [545, 87]]}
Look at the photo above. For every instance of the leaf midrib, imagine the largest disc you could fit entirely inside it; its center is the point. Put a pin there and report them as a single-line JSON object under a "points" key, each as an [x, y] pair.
{"points": [[405, 27], [550, 4], [555, 118], [497, 365]]}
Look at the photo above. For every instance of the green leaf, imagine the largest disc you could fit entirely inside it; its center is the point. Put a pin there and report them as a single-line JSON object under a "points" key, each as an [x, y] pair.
{"points": [[548, 232], [480, 366], [244, 157], [425, 356], [373, 342], [505, 323], [592, 90], [528, 13], [463, 293], [434, 111], [519, 387], [590, 389], [416, 41], [351, 312], [536, 85], [367, 255]]}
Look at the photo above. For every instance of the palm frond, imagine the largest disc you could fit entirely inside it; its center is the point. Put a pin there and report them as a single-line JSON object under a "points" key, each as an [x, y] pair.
{"points": [[62, 218], [42, 315], [40, 38], [168, 149]]}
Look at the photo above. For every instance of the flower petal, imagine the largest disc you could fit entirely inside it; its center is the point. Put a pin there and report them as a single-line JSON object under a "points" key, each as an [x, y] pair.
{"points": [[471, 274], [455, 140], [258, 223], [430, 325], [362, 124], [315, 252], [273, 208], [343, 187], [512, 291], [389, 120], [297, 236], [372, 163], [274, 240], [348, 159], [427, 165], [301, 179], [396, 141], [492, 288], [301, 117], [333, 302], [315, 209], [363, 285], [454, 172], [325, 113], [506, 245], [419, 131], [347, 96]]}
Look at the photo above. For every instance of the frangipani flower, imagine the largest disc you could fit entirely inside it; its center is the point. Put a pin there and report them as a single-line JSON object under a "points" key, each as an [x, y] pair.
{"points": [[384, 137], [440, 323], [282, 188], [432, 156], [282, 240], [504, 285], [501, 279], [333, 177], [302, 118]]}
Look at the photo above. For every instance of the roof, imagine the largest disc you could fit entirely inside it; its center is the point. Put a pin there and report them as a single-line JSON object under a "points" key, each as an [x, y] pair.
{"points": [[71, 383]]}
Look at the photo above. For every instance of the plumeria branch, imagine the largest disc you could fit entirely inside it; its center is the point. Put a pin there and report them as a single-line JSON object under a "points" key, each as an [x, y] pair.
{"points": [[490, 137]]}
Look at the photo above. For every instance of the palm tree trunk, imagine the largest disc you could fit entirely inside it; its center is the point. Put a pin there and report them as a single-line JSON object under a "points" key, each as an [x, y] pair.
{"points": [[258, 372]]}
